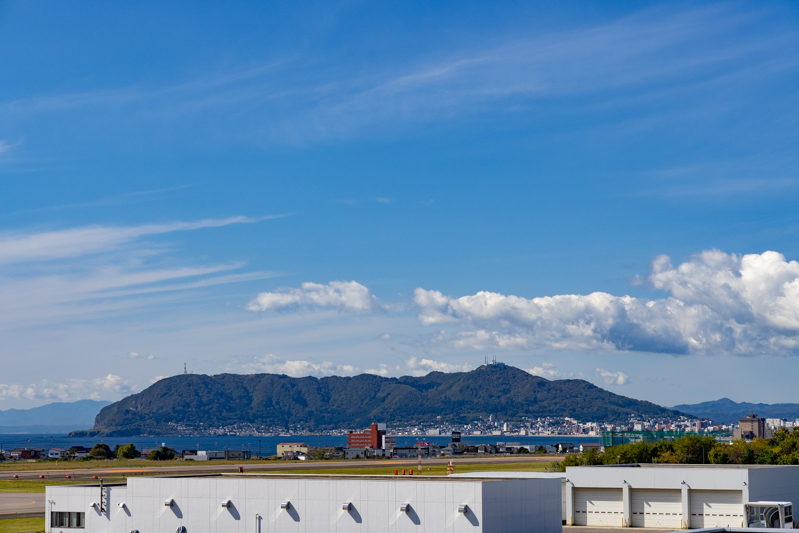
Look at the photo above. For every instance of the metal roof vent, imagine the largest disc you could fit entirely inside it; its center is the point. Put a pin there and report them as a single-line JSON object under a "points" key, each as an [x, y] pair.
{"points": [[226, 504], [346, 506], [405, 507], [285, 505], [463, 509], [169, 502]]}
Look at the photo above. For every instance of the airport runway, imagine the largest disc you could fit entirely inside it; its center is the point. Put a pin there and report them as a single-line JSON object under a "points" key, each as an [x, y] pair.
{"points": [[21, 504], [210, 468]]}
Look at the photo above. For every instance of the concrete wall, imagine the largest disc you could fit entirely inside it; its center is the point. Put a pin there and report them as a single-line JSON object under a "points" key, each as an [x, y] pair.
{"points": [[115, 519], [779, 483], [501, 506]]}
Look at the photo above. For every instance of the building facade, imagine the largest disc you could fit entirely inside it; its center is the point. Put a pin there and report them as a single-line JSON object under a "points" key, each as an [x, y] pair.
{"points": [[371, 438], [673, 496], [307, 504]]}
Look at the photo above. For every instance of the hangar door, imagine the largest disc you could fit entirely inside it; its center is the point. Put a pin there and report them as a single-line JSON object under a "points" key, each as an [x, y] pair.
{"points": [[656, 508], [598, 507], [716, 508]]}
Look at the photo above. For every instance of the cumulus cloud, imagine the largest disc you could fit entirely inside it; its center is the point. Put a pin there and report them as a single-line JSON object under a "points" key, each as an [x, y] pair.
{"points": [[612, 378], [75, 389], [271, 364], [342, 295], [719, 304], [546, 370], [425, 366]]}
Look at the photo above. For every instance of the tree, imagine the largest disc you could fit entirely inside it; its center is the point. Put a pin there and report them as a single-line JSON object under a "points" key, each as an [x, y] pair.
{"points": [[101, 451], [693, 449], [523, 450], [127, 451], [748, 457], [668, 457], [719, 456], [162, 454]]}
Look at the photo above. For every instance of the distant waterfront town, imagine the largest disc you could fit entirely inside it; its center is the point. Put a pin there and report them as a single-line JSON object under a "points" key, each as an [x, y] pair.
{"points": [[377, 441]]}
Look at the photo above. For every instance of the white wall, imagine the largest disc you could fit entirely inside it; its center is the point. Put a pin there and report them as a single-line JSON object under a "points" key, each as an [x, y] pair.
{"points": [[501, 506], [779, 483]]}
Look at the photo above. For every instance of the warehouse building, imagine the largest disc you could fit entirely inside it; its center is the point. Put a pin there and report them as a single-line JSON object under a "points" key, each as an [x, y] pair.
{"points": [[673, 496], [265, 503], [560, 476]]}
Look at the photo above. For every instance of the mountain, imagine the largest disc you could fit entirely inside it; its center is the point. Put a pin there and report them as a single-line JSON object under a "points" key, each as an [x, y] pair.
{"points": [[58, 417], [727, 411], [350, 402]]}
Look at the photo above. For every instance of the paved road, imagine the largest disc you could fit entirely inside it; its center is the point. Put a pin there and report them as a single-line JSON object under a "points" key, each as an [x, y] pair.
{"points": [[211, 468], [23, 503]]}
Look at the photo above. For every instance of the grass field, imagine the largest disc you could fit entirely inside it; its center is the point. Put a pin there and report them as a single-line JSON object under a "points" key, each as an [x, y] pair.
{"points": [[133, 463], [431, 470], [22, 525]]}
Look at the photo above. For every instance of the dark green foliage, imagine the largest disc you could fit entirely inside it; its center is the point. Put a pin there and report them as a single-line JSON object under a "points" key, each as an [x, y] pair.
{"points": [[127, 451], [352, 402], [783, 448], [162, 454], [101, 451]]}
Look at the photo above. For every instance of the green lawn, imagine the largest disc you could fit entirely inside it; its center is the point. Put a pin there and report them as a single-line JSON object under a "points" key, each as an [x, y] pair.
{"points": [[38, 485], [133, 463], [22, 525], [431, 470]]}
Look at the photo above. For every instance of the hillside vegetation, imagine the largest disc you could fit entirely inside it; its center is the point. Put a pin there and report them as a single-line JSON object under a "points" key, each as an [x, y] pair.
{"points": [[352, 402]]}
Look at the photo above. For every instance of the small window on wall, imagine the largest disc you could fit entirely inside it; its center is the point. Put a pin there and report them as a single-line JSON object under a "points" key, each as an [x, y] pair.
{"points": [[65, 519]]}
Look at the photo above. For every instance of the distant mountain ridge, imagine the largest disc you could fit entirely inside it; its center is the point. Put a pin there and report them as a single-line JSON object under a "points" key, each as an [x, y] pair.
{"points": [[350, 402], [726, 411], [57, 417]]}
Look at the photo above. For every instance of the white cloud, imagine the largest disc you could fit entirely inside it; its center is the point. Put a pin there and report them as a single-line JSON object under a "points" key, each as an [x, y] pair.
{"points": [[612, 378], [134, 355], [545, 370], [383, 200], [271, 364], [342, 295], [87, 272], [719, 304], [73, 242], [5, 147], [75, 389], [425, 366]]}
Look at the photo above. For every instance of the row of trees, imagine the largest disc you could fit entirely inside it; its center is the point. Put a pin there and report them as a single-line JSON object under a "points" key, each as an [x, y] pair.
{"points": [[782, 449], [129, 451]]}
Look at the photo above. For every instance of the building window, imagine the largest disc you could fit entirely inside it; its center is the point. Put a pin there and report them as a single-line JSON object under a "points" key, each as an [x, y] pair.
{"points": [[63, 519]]}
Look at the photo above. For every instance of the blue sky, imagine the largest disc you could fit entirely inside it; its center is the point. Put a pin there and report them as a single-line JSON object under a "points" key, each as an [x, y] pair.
{"points": [[595, 190]]}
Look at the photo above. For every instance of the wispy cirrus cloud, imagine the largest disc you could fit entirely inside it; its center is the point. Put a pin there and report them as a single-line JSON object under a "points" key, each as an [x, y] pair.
{"points": [[93, 271], [649, 52], [73, 242]]}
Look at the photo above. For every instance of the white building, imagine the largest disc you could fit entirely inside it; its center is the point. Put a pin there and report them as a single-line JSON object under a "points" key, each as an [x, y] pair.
{"points": [[673, 496], [665, 496], [240, 503], [57, 453]]}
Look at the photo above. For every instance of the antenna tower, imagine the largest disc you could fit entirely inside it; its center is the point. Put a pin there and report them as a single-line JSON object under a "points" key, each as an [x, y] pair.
{"points": [[184, 369]]}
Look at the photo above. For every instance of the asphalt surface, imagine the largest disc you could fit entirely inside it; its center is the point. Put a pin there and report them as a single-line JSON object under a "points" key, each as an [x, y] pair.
{"points": [[211, 468], [20, 504]]}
